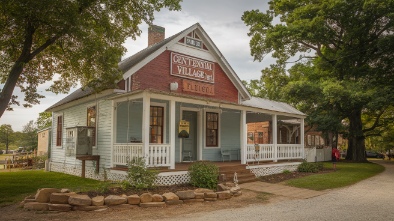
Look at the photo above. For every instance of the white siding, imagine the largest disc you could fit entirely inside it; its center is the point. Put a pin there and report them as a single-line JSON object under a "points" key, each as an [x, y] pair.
{"points": [[77, 116]]}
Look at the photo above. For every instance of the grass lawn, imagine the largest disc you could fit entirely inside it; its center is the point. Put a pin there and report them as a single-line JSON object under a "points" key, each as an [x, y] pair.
{"points": [[16, 185], [346, 174]]}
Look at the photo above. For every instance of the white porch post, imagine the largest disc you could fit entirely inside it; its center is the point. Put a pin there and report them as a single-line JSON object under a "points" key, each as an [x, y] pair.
{"points": [[243, 137], [302, 131], [172, 134], [275, 136], [145, 125]]}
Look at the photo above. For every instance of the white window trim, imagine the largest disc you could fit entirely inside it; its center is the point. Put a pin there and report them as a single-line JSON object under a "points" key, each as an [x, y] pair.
{"points": [[63, 131], [164, 106], [96, 127], [205, 127]]}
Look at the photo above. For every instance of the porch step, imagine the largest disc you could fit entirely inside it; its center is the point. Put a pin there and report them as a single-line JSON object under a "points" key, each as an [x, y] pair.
{"points": [[243, 175]]}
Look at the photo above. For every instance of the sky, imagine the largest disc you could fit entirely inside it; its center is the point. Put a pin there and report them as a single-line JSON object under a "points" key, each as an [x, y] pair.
{"points": [[221, 20]]}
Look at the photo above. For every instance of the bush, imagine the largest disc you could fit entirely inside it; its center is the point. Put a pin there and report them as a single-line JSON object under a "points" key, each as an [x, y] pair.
{"points": [[138, 174], [308, 167], [204, 175]]}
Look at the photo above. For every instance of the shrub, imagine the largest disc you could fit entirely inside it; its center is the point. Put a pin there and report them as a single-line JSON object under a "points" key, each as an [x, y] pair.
{"points": [[286, 172], [204, 175], [138, 174], [308, 167]]}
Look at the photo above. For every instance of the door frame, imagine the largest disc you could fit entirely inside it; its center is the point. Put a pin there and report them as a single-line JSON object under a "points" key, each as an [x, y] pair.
{"points": [[199, 132]]}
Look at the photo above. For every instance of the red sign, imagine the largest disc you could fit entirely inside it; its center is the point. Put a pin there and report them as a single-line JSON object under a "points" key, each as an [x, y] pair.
{"points": [[197, 87], [192, 68]]}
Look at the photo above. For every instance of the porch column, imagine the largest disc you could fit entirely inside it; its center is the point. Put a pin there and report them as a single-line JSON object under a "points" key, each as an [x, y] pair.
{"points": [[275, 136], [243, 136], [172, 134], [145, 125], [302, 132]]}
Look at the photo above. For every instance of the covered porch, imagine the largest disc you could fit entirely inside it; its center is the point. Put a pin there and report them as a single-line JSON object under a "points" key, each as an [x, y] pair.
{"points": [[146, 126]]}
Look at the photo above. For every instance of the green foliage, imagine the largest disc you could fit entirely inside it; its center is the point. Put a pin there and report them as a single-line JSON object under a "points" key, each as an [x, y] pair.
{"points": [[204, 174], [139, 176], [307, 167], [286, 172], [44, 120], [39, 161], [346, 174], [343, 72], [80, 41]]}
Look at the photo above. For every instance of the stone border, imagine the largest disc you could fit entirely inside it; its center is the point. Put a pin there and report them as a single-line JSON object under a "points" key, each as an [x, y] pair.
{"points": [[52, 199]]}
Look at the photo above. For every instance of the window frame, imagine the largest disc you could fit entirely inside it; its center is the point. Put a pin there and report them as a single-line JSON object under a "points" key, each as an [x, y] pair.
{"points": [[95, 122], [59, 130], [163, 135], [217, 144]]}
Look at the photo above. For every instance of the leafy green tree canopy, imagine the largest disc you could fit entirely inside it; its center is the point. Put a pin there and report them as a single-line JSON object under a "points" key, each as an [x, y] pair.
{"points": [[80, 40], [44, 120], [345, 50]]}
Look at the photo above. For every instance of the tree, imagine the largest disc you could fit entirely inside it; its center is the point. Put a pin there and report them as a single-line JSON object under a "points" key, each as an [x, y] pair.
{"points": [[5, 135], [44, 120], [78, 40], [30, 137], [351, 47]]}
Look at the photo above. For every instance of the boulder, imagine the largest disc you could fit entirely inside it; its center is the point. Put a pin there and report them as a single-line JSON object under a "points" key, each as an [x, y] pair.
{"points": [[199, 195], [157, 198], [224, 195], [98, 201], [146, 198], [187, 194], [133, 199], [60, 207], [80, 200], [59, 198], [36, 206], [210, 195], [43, 195], [153, 204], [112, 200], [202, 190], [170, 196], [65, 190], [234, 190], [222, 187]]}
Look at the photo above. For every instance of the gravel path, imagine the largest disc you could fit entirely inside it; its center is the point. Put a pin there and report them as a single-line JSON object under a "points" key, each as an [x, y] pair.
{"points": [[371, 199]]}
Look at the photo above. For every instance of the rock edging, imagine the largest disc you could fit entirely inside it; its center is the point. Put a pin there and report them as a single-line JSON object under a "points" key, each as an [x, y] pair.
{"points": [[51, 199]]}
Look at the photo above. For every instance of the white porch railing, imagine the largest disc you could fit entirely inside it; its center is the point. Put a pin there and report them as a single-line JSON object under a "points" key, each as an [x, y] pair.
{"points": [[266, 152], [290, 151], [159, 154], [123, 152]]}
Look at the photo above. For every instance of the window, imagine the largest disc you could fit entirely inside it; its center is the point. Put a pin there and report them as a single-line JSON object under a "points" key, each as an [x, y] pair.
{"points": [[59, 130], [250, 138], [212, 128], [91, 112], [156, 124]]}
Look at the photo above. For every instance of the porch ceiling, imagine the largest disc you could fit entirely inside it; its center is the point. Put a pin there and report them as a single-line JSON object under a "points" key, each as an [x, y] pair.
{"points": [[260, 117]]}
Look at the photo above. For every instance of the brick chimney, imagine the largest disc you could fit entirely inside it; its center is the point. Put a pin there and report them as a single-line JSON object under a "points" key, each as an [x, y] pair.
{"points": [[155, 34]]}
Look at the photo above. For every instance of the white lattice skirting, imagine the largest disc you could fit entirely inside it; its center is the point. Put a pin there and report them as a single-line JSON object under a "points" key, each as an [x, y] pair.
{"points": [[265, 170], [163, 179]]}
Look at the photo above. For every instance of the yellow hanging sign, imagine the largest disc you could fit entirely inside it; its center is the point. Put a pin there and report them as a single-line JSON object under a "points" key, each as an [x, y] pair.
{"points": [[184, 127]]}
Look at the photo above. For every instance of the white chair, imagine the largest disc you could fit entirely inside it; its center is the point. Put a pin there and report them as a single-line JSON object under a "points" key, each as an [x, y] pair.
{"points": [[225, 153], [187, 156]]}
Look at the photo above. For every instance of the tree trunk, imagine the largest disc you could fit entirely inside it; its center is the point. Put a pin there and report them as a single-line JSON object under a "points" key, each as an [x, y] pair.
{"points": [[8, 90], [356, 149]]}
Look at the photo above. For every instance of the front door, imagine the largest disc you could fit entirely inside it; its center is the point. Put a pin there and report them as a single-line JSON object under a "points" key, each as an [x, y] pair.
{"points": [[189, 145]]}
